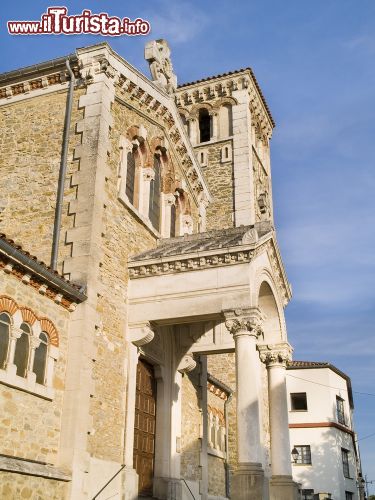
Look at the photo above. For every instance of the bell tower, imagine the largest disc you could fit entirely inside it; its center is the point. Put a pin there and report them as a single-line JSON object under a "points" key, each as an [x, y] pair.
{"points": [[229, 125]]}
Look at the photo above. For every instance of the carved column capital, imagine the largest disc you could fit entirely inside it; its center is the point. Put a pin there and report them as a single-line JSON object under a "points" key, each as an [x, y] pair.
{"points": [[187, 364], [244, 322], [15, 332], [34, 342], [275, 354], [148, 173], [170, 199], [140, 334]]}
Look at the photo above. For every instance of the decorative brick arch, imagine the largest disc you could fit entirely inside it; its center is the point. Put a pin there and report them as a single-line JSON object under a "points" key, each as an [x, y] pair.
{"points": [[8, 305], [28, 315], [48, 327]]}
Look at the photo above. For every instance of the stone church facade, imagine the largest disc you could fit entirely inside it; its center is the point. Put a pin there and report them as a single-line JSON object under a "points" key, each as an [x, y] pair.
{"points": [[150, 357]]}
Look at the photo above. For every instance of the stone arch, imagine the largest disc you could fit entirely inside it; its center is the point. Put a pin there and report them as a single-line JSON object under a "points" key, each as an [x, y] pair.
{"points": [[194, 113], [268, 301], [7, 304], [225, 100]]}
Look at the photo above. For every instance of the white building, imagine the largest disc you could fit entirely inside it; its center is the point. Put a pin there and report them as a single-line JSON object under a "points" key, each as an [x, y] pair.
{"points": [[321, 429]]}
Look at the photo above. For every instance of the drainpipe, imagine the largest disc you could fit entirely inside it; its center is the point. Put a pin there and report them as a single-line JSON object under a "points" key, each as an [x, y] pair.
{"points": [[64, 156]]}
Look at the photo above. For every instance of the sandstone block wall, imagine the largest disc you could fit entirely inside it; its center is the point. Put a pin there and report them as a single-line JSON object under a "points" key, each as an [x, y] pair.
{"points": [[29, 424], [19, 487], [31, 135], [219, 176]]}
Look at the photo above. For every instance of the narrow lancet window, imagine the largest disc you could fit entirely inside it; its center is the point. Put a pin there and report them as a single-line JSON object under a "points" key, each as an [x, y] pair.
{"points": [[40, 359], [4, 338], [21, 354], [204, 125], [130, 177]]}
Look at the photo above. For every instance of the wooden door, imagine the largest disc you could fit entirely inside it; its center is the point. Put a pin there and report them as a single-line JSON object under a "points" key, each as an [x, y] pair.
{"points": [[144, 427]]}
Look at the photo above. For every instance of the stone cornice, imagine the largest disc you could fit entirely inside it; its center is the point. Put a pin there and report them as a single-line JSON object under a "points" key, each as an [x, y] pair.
{"points": [[215, 258], [222, 87], [191, 262]]}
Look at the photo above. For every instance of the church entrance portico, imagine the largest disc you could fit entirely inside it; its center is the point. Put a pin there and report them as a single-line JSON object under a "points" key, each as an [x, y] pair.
{"points": [[215, 306]]}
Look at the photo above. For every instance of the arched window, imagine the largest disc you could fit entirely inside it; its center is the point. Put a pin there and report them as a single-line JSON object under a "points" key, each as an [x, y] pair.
{"points": [[4, 338], [130, 176], [154, 205], [204, 125], [40, 359], [173, 221], [21, 353]]}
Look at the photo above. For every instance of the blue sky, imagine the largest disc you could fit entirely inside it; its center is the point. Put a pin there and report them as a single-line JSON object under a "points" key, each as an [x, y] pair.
{"points": [[315, 63]]}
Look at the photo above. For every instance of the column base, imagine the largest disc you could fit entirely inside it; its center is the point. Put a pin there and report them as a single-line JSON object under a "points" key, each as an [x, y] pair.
{"points": [[248, 482], [283, 488]]}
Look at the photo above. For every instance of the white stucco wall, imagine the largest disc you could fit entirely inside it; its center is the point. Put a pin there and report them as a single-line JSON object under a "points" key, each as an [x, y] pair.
{"points": [[325, 474]]}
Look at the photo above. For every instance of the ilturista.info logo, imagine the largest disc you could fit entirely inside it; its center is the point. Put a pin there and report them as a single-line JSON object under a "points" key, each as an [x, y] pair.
{"points": [[56, 21]]}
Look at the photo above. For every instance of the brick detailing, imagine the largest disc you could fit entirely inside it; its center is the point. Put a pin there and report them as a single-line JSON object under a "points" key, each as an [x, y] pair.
{"points": [[50, 329], [28, 315], [10, 306]]}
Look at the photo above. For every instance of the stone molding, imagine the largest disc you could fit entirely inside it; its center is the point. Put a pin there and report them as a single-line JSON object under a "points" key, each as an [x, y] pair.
{"points": [[140, 335], [275, 354], [244, 322]]}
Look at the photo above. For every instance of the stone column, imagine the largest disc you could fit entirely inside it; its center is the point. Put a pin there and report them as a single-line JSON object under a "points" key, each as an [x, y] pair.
{"points": [[215, 126], [168, 199], [193, 130], [276, 357], [147, 175], [248, 479]]}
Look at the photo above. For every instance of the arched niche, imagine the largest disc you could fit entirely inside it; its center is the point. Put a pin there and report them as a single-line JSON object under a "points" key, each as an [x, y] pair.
{"points": [[272, 322], [225, 120]]}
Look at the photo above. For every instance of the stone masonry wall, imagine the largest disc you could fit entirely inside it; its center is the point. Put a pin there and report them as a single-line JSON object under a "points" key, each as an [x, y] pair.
{"points": [[219, 177], [123, 235], [19, 487], [31, 136], [30, 425]]}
